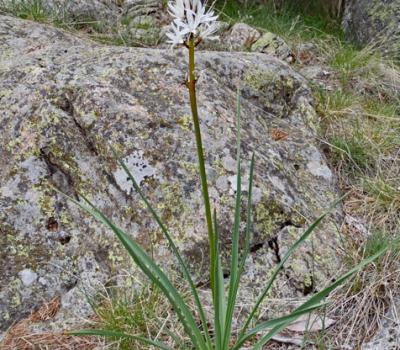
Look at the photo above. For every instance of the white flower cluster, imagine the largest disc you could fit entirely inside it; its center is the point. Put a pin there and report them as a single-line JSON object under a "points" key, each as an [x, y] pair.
{"points": [[191, 18]]}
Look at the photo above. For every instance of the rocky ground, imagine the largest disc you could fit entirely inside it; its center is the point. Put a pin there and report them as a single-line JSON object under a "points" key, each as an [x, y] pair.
{"points": [[64, 97]]}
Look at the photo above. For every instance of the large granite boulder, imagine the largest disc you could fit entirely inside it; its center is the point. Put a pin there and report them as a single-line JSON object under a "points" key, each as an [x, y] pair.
{"points": [[63, 99], [374, 22]]}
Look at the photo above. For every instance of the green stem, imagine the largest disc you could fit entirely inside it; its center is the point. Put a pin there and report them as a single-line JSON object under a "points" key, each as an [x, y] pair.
{"points": [[191, 83]]}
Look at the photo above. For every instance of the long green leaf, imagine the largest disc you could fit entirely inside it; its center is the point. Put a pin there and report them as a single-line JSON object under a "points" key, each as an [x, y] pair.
{"points": [[276, 322], [157, 276], [292, 249], [249, 220], [112, 334], [153, 272], [284, 319], [316, 299], [246, 248], [234, 269], [182, 265], [220, 306]]}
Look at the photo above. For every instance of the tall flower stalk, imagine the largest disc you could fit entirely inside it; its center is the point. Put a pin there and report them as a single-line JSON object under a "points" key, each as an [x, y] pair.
{"points": [[191, 84], [192, 24]]}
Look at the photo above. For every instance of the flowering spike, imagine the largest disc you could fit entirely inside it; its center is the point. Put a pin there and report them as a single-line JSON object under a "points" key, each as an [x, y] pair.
{"points": [[191, 19]]}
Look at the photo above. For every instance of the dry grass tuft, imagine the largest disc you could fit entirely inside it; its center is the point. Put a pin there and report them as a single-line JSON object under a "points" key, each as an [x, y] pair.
{"points": [[359, 104], [361, 305], [21, 337], [143, 311]]}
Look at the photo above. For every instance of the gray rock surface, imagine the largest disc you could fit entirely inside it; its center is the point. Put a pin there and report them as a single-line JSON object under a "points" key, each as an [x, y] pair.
{"points": [[63, 98], [374, 22]]}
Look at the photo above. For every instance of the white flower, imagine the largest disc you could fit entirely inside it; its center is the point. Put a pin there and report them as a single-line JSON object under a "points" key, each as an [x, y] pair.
{"points": [[191, 19], [176, 36]]}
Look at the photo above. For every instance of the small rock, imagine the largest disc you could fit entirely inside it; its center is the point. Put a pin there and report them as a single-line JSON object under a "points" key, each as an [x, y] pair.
{"points": [[315, 72], [221, 43], [306, 47], [136, 8], [274, 45], [306, 53], [241, 37], [144, 30]]}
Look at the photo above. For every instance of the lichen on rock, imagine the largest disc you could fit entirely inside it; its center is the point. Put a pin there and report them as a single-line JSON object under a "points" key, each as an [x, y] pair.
{"points": [[274, 45], [63, 99], [375, 23]]}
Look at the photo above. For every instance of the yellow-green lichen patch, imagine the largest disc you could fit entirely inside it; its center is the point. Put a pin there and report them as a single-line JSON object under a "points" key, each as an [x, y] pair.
{"points": [[171, 203], [259, 79], [46, 199], [270, 217], [185, 122], [276, 90], [15, 249], [191, 168]]}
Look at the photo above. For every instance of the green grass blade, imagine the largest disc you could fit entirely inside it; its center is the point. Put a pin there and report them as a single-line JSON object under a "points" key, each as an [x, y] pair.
{"points": [[284, 319], [299, 242], [220, 306], [317, 298], [157, 276], [259, 345], [177, 339], [153, 272], [112, 334], [275, 323], [246, 249], [248, 225], [173, 247], [234, 269]]}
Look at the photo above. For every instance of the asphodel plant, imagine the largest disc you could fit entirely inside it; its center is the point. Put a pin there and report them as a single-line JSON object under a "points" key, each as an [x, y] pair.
{"points": [[192, 24]]}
